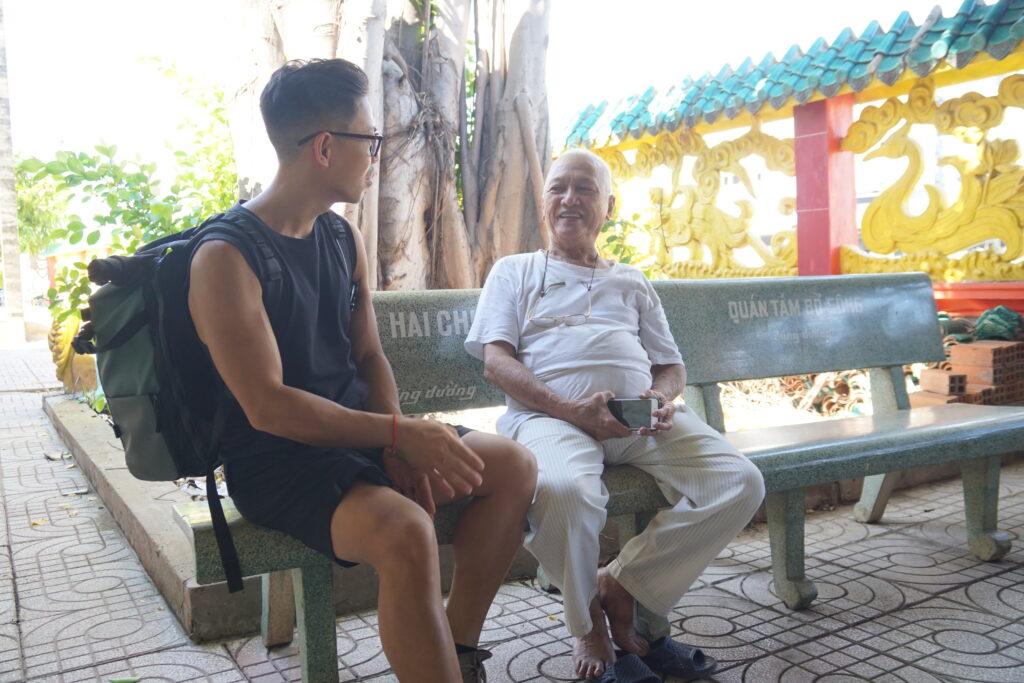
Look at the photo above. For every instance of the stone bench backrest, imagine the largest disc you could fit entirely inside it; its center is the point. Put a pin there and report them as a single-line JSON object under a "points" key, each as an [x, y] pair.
{"points": [[726, 330]]}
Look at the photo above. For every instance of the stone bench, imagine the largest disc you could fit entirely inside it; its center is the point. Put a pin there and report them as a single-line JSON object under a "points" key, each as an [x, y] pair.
{"points": [[727, 330]]}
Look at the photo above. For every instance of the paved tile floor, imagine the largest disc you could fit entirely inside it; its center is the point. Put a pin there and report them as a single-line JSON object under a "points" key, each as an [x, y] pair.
{"points": [[899, 601]]}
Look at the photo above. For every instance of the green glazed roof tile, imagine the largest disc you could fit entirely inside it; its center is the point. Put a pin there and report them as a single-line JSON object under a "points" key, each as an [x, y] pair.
{"points": [[853, 60], [825, 59], [1005, 38], [951, 29]]}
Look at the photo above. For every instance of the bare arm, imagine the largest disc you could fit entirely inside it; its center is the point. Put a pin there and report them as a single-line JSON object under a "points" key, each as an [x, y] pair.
{"points": [[225, 300], [367, 353], [501, 367], [382, 397]]}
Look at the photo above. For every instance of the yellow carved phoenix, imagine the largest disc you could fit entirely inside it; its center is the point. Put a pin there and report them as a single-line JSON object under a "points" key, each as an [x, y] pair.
{"points": [[990, 205]]}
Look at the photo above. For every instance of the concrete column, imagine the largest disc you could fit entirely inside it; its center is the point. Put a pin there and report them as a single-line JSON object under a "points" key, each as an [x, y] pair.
{"points": [[826, 200]]}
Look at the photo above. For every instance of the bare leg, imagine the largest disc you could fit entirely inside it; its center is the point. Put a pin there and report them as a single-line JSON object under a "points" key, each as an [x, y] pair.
{"points": [[618, 605], [489, 532], [376, 525], [593, 653]]}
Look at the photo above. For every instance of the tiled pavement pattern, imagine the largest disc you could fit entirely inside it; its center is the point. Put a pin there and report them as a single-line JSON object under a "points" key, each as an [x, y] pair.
{"points": [[899, 601]]}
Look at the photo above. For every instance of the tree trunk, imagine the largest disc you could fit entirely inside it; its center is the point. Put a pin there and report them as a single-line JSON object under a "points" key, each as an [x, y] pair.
{"points": [[9, 202], [443, 75], [513, 156], [261, 52], [417, 233], [361, 41], [405, 191]]}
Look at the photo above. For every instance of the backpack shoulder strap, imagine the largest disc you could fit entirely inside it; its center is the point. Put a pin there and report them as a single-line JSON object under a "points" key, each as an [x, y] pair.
{"points": [[344, 240], [239, 229]]}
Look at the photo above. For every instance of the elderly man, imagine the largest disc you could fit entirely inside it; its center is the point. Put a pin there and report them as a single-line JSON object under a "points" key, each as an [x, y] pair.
{"points": [[562, 331]]}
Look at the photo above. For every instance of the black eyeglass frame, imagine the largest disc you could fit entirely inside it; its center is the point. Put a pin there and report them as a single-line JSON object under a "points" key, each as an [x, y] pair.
{"points": [[376, 139]]}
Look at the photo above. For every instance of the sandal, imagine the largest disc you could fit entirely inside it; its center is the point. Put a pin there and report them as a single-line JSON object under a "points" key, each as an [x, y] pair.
{"points": [[675, 659], [628, 668]]}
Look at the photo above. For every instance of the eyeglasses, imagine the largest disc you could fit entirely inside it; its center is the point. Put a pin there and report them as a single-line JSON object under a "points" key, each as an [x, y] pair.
{"points": [[375, 139], [569, 320]]}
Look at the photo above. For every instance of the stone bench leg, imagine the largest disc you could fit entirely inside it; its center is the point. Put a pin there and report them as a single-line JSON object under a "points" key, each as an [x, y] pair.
{"points": [[314, 607], [786, 534], [981, 508], [874, 497], [277, 618]]}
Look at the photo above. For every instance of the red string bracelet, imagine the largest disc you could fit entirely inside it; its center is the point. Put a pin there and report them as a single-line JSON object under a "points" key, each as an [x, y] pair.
{"points": [[394, 430]]}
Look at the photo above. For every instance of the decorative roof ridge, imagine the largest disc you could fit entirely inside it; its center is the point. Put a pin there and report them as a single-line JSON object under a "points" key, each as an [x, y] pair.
{"points": [[823, 69]]}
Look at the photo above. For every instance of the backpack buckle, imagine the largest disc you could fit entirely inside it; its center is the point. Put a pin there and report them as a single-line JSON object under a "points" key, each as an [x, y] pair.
{"points": [[82, 343]]}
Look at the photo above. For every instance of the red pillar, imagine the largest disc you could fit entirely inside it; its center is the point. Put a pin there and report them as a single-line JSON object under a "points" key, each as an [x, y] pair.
{"points": [[826, 201]]}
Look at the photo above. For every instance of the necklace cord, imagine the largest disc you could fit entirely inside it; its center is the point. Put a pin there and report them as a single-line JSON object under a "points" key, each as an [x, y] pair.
{"points": [[544, 276]]}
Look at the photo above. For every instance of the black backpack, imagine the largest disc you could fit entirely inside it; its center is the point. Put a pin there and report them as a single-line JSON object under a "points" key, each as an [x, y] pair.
{"points": [[167, 402]]}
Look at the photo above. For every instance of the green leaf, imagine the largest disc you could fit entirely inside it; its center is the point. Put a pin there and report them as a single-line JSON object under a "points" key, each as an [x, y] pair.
{"points": [[80, 265], [51, 293], [163, 211], [93, 238], [75, 225], [75, 165], [55, 168], [31, 165], [75, 237]]}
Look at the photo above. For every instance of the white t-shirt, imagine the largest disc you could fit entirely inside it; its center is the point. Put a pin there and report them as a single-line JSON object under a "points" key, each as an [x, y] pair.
{"points": [[613, 350]]}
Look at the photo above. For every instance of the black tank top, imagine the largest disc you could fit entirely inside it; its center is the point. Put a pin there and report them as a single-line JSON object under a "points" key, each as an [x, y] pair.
{"points": [[310, 317]]}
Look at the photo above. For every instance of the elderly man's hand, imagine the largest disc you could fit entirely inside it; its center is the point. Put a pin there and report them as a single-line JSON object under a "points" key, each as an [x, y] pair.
{"points": [[591, 414], [664, 413]]}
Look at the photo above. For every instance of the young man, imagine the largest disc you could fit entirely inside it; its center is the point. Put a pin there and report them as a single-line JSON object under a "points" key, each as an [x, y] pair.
{"points": [[316, 446]]}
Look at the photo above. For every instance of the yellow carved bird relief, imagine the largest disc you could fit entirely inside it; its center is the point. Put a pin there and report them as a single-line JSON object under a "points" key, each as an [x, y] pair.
{"points": [[990, 204]]}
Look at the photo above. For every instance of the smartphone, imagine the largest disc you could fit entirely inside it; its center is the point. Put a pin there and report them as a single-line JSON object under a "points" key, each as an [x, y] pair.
{"points": [[635, 413]]}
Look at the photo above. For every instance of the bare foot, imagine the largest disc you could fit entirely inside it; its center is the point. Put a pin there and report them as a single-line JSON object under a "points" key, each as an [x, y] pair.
{"points": [[618, 605], [593, 653]]}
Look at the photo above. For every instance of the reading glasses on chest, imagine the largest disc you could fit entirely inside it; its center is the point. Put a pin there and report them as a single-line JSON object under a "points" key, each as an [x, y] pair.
{"points": [[570, 319]]}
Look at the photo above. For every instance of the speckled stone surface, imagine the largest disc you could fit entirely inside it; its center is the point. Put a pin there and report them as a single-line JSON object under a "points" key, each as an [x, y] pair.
{"points": [[903, 600], [798, 455], [771, 327], [422, 335], [726, 330]]}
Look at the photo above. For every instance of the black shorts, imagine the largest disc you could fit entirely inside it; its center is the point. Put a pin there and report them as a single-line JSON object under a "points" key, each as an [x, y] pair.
{"points": [[297, 492]]}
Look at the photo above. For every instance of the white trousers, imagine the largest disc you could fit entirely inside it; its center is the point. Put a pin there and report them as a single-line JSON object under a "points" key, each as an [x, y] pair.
{"points": [[714, 491]]}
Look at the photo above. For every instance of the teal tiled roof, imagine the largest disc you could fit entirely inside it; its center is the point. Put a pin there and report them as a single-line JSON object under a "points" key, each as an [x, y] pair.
{"points": [[824, 68]]}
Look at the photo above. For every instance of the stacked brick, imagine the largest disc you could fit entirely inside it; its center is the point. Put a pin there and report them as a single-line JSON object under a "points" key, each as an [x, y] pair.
{"points": [[939, 387], [988, 372], [994, 369]]}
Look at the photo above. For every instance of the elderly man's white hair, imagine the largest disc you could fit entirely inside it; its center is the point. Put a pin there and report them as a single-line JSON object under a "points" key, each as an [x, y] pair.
{"points": [[602, 174]]}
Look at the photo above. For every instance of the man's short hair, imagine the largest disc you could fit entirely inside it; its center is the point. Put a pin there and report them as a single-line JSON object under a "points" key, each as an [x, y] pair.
{"points": [[602, 173], [304, 97]]}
